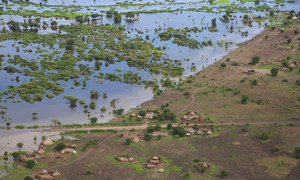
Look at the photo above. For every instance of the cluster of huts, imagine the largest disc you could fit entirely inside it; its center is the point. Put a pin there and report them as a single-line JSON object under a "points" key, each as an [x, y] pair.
{"points": [[192, 117], [47, 175]]}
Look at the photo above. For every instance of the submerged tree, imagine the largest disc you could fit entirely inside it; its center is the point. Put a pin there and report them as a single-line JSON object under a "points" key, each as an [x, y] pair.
{"points": [[20, 145], [34, 115]]}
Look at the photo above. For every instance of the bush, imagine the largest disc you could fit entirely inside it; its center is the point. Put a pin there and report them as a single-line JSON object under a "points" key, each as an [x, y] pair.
{"points": [[28, 178], [159, 137], [276, 149], [196, 160], [16, 154], [244, 130], [169, 126], [234, 63], [128, 141], [94, 119], [255, 60], [142, 113], [150, 129], [274, 71], [30, 163], [147, 137], [297, 152], [265, 135], [223, 65], [245, 99], [224, 173], [60, 146], [179, 131], [157, 127]]}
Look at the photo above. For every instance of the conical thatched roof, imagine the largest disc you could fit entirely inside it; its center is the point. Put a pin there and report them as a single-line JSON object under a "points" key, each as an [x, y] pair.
{"points": [[47, 142]]}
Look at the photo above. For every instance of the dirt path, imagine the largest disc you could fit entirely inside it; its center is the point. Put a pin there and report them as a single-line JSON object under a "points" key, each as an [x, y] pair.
{"points": [[84, 155], [144, 126], [193, 99]]}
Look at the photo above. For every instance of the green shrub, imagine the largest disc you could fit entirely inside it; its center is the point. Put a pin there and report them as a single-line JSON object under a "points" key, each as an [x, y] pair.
{"points": [[245, 99], [297, 152], [28, 178], [169, 126], [19, 127], [274, 71], [60, 146], [150, 129], [265, 135], [128, 141], [223, 65], [276, 149], [147, 137], [94, 119], [255, 60], [179, 131], [224, 173], [234, 63], [30, 163]]}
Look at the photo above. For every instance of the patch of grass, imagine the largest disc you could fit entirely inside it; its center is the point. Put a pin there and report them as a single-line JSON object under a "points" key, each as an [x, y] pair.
{"points": [[279, 166], [90, 165], [17, 174], [269, 66]]}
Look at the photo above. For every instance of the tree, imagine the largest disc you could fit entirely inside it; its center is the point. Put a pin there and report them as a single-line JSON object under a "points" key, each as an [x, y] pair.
{"points": [[128, 141], [297, 152], [274, 71], [223, 65], [92, 105], [142, 113], [28, 178], [103, 109], [117, 18], [53, 23], [147, 137], [157, 127], [179, 130], [150, 129], [79, 19], [169, 126], [30, 163], [15, 155], [118, 112], [8, 124], [55, 121], [104, 95], [94, 120], [245, 99], [60, 146], [224, 173], [94, 94], [34, 115], [265, 135], [130, 14], [255, 60], [213, 23], [20, 145]]}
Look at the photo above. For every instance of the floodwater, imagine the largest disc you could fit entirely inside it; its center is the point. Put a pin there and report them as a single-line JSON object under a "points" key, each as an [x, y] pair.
{"points": [[129, 96]]}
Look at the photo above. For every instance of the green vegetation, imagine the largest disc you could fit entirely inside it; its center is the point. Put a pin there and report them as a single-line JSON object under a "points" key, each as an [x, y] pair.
{"points": [[60, 146], [224, 173], [30, 163], [297, 152], [274, 71], [265, 135]]}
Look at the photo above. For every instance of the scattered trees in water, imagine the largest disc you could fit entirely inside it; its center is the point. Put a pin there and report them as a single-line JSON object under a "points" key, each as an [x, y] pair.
{"points": [[72, 100]]}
